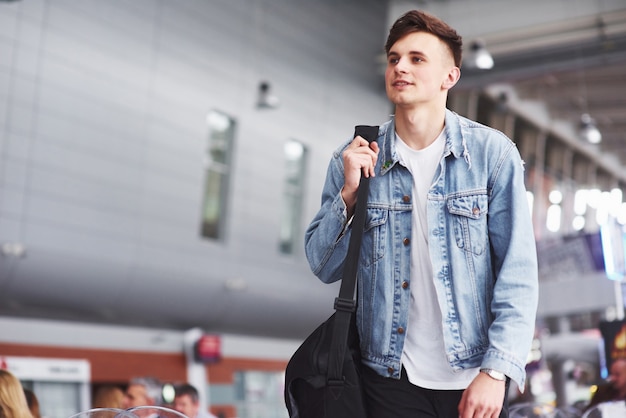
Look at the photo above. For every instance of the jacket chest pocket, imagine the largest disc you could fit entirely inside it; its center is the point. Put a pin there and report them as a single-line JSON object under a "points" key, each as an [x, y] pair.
{"points": [[469, 215], [374, 236]]}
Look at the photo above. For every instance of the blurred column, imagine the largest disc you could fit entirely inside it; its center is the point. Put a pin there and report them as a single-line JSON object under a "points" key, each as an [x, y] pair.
{"points": [[559, 378], [568, 188], [196, 371], [619, 300], [538, 186], [592, 180], [472, 104]]}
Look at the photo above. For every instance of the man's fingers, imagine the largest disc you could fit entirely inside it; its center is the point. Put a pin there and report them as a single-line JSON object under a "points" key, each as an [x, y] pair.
{"points": [[358, 141]]}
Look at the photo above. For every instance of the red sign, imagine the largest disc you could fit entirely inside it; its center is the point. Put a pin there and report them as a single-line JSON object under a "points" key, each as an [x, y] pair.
{"points": [[208, 349]]}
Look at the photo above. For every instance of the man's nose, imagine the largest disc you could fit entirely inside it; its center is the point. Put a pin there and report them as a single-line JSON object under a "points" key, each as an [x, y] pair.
{"points": [[401, 66]]}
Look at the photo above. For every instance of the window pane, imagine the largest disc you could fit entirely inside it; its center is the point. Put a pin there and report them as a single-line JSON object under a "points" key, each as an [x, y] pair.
{"points": [[220, 145], [295, 165]]}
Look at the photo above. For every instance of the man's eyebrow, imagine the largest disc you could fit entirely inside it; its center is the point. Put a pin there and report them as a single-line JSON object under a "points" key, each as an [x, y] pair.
{"points": [[420, 53]]}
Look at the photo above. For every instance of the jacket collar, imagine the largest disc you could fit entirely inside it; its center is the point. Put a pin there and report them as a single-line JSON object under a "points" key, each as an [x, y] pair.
{"points": [[455, 131]]}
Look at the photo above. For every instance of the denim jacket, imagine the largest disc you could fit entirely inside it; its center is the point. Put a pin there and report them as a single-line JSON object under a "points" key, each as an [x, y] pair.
{"points": [[481, 245]]}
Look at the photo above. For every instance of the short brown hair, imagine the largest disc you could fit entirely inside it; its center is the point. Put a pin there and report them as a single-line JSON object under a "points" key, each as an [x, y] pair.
{"points": [[418, 21], [187, 389]]}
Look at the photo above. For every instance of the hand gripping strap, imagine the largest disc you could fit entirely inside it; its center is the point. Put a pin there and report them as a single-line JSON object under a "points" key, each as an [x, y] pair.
{"points": [[345, 304]]}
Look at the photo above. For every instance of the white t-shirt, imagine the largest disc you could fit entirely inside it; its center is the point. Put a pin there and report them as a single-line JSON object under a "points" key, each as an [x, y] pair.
{"points": [[423, 355]]}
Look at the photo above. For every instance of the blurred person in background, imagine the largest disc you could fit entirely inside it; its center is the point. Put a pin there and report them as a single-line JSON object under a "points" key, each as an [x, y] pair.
{"points": [[187, 401], [33, 403], [12, 398], [109, 396], [615, 389], [143, 391]]}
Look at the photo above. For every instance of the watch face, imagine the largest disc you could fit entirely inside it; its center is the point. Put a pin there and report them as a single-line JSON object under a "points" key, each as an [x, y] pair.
{"points": [[497, 375]]}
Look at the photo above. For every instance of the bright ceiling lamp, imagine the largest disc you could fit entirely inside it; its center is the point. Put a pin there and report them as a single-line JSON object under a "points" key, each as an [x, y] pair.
{"points": [[478, 56], [266, 100], [588, 129]]}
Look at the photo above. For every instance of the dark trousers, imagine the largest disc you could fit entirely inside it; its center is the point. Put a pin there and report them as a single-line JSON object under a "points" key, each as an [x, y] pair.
{"points": [[387, 398]]}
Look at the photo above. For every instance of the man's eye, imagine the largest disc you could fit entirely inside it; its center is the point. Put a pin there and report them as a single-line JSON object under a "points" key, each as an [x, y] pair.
{"points": [[393, 60]]}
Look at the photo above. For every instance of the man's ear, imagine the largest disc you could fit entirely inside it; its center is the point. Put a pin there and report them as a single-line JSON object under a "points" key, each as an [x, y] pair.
{"points": [[453, 76]]}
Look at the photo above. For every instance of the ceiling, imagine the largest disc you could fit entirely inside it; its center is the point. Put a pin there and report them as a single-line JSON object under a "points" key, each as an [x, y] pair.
{"points": [[572, 67]]}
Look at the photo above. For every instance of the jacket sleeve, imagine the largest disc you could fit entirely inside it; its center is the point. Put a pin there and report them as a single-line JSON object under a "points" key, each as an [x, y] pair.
{"points": [[327, 237], [515, 292]]}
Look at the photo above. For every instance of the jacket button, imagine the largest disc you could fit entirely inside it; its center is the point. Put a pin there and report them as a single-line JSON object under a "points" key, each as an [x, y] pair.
{"points": [[405, 284], [476, 211], [406, 241], [390, 370], [400, 330], [406, 198]]}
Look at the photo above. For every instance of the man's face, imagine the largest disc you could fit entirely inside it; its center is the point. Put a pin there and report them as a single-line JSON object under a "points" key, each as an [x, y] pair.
{"points": [[136, 395], [618, 376], [186, 405], [418, 70]]}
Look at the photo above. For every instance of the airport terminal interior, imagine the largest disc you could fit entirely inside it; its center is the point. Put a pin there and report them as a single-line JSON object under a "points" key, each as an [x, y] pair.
{"points": [[160, 161]]}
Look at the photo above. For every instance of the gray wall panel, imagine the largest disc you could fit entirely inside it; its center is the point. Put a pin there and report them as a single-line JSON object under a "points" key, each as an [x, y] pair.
{"points": [[103, 138]]}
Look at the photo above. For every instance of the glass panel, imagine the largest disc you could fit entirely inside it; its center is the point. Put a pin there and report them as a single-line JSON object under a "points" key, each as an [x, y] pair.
{"points": [[295, 167], [219, 150], [57, 399], [260, 394]]}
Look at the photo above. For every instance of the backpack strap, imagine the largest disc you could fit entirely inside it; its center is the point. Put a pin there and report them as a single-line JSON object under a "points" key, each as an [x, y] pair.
{"points": [[345, 303]]}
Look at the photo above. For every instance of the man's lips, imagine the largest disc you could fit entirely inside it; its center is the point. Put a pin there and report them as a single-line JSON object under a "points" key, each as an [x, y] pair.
{"points": [[400, 83]]}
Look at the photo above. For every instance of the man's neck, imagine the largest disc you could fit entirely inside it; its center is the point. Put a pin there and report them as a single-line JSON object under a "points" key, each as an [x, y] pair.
{"points": [[419, 128]]}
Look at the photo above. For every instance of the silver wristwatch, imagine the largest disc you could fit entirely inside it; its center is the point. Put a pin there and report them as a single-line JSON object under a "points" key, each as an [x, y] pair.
{"points": [[494, 374]]}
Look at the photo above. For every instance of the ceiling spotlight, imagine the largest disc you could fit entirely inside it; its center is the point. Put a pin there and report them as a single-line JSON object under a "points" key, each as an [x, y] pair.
{"points": [[588, 129], [266, 99], [478, 57]]}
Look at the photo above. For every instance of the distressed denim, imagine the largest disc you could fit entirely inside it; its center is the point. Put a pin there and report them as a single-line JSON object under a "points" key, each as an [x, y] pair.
{"points": [[481, 245]]}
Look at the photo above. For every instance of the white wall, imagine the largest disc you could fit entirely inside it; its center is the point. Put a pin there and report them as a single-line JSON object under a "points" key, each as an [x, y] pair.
{"points": [[102, 140]]}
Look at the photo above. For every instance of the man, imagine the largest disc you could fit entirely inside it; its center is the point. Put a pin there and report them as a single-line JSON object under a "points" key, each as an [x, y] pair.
{"points": [[447, 281], [187, 401], [615, 389], [141, 392]]}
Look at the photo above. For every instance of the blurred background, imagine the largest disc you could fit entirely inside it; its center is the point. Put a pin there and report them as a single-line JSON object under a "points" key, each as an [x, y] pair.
{"points": [[160, 161]]}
